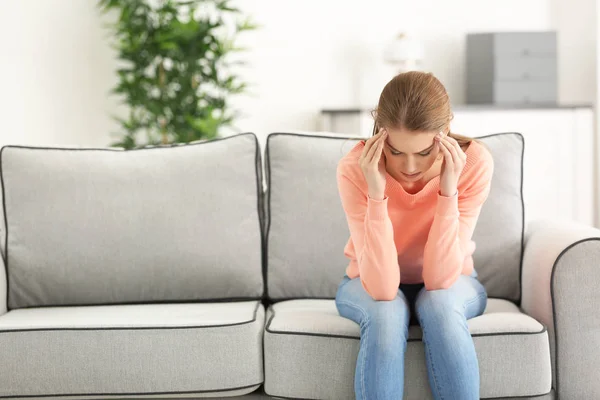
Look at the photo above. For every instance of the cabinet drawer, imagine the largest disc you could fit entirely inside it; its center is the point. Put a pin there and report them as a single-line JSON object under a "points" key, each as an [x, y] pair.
{"points": [[525, 92], [525, 43], [525, 68]]}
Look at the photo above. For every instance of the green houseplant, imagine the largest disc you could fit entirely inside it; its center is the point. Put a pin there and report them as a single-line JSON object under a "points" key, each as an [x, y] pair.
{"points": [[174, 70]]}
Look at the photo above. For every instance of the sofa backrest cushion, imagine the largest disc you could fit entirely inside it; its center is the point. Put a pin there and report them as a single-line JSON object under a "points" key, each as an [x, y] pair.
{"points": [[106, 226], [307, 228]]}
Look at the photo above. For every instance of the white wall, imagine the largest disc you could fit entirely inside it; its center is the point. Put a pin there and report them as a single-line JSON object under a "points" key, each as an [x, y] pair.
{"points": [[57, 67], [576, 23], [55, 73], [328, 54]]}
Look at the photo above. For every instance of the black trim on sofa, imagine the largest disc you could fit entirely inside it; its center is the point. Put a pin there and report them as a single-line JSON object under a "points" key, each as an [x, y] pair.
{"points": [[258, 165], [519, 397], [279, 299], [516, 301], [268, 212], [149, 302], [259, 196], [482, 398], [519, 283], [258, 304], [268, 218], [268, 326], [4, 253], [135, 328], [267, 329], [132, 393], [552, 275]]}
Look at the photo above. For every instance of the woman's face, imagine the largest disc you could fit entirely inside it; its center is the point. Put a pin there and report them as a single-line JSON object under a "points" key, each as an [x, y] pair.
{"points": [[409, 154]]}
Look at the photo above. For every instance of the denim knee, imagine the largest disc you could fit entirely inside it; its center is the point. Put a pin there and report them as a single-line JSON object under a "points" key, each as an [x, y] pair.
{"points": [[436, 304], [388, 321], [381, 312], [386, 317]]}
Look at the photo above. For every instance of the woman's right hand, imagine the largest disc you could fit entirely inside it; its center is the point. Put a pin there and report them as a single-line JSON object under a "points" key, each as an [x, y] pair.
{"points": [[372, 164]]}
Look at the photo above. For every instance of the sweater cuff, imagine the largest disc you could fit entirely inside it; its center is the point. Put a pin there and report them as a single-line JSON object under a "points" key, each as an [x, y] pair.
{"points": [[447, 206], [377, 209]]}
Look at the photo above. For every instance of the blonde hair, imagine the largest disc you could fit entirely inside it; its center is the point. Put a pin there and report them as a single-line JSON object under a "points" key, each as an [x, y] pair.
{"points": [[415, 101]]}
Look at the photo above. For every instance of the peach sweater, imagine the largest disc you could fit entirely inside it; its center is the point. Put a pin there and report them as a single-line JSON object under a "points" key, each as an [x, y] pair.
{"points": [[412, 238]]}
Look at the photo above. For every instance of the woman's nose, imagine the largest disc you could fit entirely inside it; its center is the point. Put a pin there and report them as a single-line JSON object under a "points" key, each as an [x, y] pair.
{"points": [[411, 165]]}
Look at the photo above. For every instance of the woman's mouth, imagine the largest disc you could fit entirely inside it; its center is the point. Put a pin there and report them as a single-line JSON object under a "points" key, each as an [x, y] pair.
{"points": [[411, 176]]}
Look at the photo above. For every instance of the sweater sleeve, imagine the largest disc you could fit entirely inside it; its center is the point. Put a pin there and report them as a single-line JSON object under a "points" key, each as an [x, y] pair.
{"points": [[372, 235], [449, 241]]}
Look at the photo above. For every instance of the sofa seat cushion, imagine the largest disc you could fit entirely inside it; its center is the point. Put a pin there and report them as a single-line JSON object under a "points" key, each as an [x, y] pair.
{"points": [[199, 349], [311, 352]]}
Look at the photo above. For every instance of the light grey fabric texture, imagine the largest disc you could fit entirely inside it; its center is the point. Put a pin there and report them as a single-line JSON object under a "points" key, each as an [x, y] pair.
{"points": [[500, 227], [512, 349], [149, 225], [131, 349], [560, 289], [548, 396], [3, 282], [249, 393], [577, 321], [308, 230], [2, 223], [260, 395], [130, 316], [572, 289], [3, 288]]}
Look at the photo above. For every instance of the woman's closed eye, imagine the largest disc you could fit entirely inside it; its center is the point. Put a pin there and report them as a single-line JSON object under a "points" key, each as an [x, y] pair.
{"points": [[424, 154]]}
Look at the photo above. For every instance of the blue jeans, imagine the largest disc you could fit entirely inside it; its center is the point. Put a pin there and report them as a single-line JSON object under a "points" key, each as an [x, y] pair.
{"points": [[452, 365]]}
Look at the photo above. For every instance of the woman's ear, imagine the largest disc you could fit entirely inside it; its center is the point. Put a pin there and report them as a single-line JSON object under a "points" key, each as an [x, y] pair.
{"points": [[375, 129]]}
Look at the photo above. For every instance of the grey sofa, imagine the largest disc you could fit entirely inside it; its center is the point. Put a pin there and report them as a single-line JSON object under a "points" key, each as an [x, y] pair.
{"points": [[179, 271]]}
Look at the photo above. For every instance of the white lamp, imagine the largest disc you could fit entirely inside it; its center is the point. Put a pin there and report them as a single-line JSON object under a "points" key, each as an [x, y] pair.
{"points": [[405, 53]]}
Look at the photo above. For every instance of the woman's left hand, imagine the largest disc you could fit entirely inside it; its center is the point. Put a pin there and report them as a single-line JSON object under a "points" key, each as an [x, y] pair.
{"points": [[452, 165]]}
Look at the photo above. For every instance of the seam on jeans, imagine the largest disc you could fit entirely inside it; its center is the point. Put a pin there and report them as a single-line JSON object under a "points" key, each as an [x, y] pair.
{"points": [[434, 373], [366, 319], [465, 304], [363, 367], [430, 358], [366, 322], [473, 300]]}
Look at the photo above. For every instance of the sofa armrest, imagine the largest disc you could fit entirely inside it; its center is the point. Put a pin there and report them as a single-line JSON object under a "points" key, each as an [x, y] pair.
{"points": [[3, 285], [561, 289]]}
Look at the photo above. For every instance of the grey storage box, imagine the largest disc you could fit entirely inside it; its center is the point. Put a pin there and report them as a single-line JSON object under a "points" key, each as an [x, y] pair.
{"points": [[512, 68]]}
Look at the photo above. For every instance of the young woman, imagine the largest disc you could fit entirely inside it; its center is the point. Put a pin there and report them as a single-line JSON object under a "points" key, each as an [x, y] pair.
{"points": [[412, 194]]}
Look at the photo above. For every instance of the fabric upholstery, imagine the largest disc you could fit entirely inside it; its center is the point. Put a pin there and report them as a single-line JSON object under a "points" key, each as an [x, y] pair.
{"points": [[259, 394], [511, 347], [102, 226], [170, 349], [499, 232], [307, 228], [3, 287], [560, 276]]}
